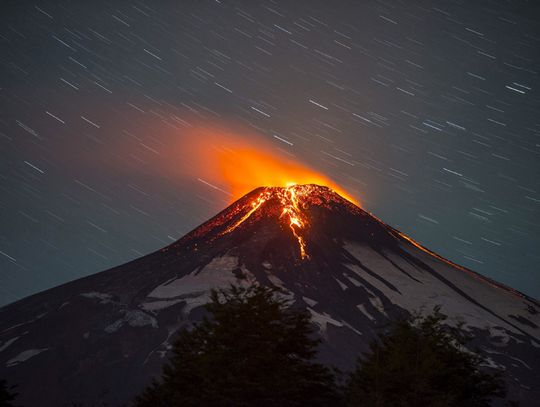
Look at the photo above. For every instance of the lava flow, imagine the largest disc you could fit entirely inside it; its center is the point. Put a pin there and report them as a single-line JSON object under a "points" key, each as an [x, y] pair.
{"points": [[290, 199]]}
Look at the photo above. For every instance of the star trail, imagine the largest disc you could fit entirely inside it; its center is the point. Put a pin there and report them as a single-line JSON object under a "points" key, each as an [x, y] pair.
{"points": [[428, 112]]}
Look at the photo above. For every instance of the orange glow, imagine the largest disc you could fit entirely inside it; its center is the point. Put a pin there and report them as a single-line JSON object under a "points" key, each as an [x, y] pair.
{"points": [[236, 162], [246, 169], [290, 198], [255, 205]]}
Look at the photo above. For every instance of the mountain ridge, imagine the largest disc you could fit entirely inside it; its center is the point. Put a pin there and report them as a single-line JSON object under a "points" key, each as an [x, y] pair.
{"points": [[357, 275]]}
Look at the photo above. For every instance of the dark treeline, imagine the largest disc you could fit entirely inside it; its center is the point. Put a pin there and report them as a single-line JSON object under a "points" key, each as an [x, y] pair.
{"points": [[7, 394], [254, 349]]}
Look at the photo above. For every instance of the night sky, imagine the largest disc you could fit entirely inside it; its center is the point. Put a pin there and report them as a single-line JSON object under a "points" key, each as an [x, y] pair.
{"points": [[428, 112]]}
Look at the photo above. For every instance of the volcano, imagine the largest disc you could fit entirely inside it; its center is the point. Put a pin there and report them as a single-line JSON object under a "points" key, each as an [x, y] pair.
{"points": [[102, 338]]}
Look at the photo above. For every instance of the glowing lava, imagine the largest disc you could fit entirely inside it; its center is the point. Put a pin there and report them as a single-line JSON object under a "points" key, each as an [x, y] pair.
{"points": [[236, 161], [290, 199], [291, 210], [256, 204]]}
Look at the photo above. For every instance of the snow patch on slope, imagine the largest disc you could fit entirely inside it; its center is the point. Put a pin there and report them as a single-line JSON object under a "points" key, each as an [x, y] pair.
{"points": [[24, 356], [159, 305], [103, 298], [343, 286], [310, 301], [323, 319], [194, 288], [7, 343], [364, 311], [284, 293], [133, 318], [448, 286], [215, 274], [501, 301]]}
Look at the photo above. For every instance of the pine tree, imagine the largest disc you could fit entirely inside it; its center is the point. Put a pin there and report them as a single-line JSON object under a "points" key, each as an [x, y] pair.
{"points": [[421, 362], [254, 350], [7, 395]]}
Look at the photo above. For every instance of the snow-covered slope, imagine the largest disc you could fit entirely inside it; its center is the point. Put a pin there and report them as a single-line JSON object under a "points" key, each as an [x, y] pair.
{"points": [[101, 338]]}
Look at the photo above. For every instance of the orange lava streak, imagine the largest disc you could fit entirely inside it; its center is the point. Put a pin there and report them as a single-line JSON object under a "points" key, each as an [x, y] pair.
{"points": [[291, 208], [290, 202], [255, 205]]}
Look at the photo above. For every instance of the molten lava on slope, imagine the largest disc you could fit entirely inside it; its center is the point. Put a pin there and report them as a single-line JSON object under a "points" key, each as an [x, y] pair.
{"points": [[292, 201]]}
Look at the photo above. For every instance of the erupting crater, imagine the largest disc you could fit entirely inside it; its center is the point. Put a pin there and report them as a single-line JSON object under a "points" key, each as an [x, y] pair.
{"points": [[292, 202]]}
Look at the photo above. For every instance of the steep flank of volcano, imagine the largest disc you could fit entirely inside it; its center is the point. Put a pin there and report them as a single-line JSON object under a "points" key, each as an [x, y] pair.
{"points": [[351, 271], [290, 202], [299, 213], [303, 217]]}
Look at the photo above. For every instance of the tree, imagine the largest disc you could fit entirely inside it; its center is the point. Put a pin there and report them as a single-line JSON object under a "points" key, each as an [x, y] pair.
{"points": [[6, 394], [422, 362], [253, 350]]}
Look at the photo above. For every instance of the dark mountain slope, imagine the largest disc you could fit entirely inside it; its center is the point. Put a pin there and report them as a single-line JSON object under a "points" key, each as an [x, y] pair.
{"points": [[101, 338]]}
